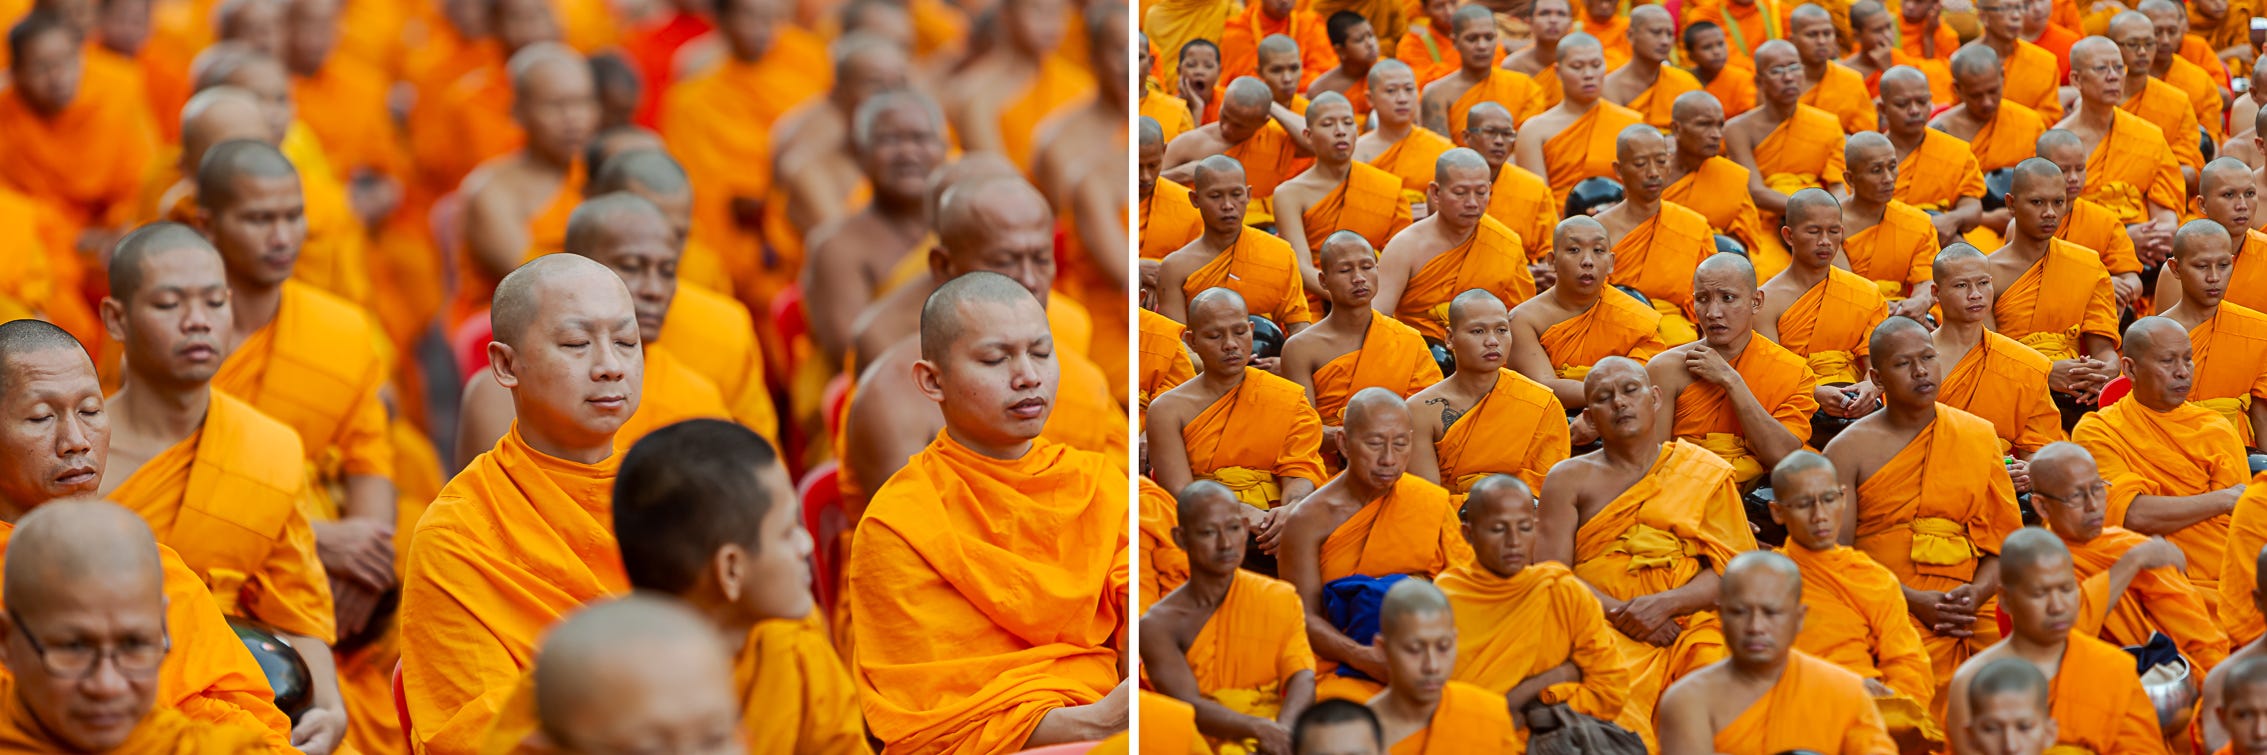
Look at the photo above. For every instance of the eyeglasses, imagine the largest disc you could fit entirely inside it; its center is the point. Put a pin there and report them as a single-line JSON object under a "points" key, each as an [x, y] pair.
{"points": [[78, 660], [2096, 492], [1782, 70], [2113, 69]]}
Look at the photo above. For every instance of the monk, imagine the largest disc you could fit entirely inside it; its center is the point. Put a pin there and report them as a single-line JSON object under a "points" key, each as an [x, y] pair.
{"points": [[2040, 303], [1999, 131], [1990, 375], [1827, 84], [1205, 428], [1429, 44], [2030, 73], [1886, 241], [2129, 166], [2089, 223], [2171, 64], [1358, 531], [2228, 196], [1767, 696], [1229, 642], [1611, 27], [1656, 244], [472, 605], [1354, 346], [2216, 688], [1456, 248], [899, 142], [553, 101], [1786, 146], [51, 115], [1253, 130], [1259, 267], [1933, 501], [588, 695], [1648, 84], [2241, 706], [219, 496], [1648, 526], [1000, 95], [1399, 144], [1548, 22], [2156, 102], [1734, 393], [1568, 142], [2230, 371], [1559, 334], [207, 676], [1936, 172], [1171, 113], [1046, 671], [1338, 194], [1485, 419], [2172, 470], [1168, 220], [1821, 312], [1336, 727], [2158, 599], [1528, 630], [1355, 41], [1703, 180], [341, 99], [1876, 51], [1240, 38], [816, 176], [1518, 199], [2094, 693], [1448, 100], [1080, 166], [2008, 711], [1705, 48], [1422, 711]]}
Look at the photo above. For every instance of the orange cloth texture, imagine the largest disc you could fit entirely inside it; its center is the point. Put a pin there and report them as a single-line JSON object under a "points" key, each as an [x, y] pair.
{"points": [[1616, 326], [2039, 310], [2238, 577], [1718, 191], [1855, 618], [1411, 530], [1263, 270], [1815, 706], [1392, 356], [1245, 430], [1658, 102], [2133, 168], [1271, 157], [1939, 173], [2185, 451], [317, 367], [2158, 600], [1828, 326], [1896, 252], [1413, 159], [1658, 256], [714, 337], [2091, 225], [2168, 108], [2098, 693], [1491, 259], [1585, 148], [1164, 360], [1522, 202], [1515, 91], [1255, 641], [1518, 428], [1780, 379], [2230, 365], [2005, 383], [1368, 202], [50, 159], [1164, 566], [671, 393], [1469, 719], [164, 731], [1804, 152], [2247, 284], [1509, 629], [1241, 35], [1842, 91], [2010, 137], [1168, 220]]}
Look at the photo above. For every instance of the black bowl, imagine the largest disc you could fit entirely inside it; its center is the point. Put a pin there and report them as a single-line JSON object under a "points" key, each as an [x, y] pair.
{"points": [[287, 673]]}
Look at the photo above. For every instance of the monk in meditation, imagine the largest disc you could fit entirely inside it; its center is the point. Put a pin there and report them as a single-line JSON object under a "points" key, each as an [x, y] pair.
{"points": [[1210, 428], [1486, 418], [2130, 167], [1886, 241], [51, 115], [2229, 196], [2230, 370], [2156, 102], [1354, 346], [1821, 312], [1399, 144], [1703, 180], [1518, 199], [1933, 500], [1168, 220], [2171, 469], [1767, 696], [814, 166], [1990, 375], [1548, 22], [553, 100], [2030, 73], [88, 575], [1338, 194], [169, 307], [1570, 141], [2213, 731], [1051, 669], [1656, 244], [1827, 84], [1875, 50], [1936, 172], [2051, 295], [1648, 83], [1456, 248], [1559, 334], [1448, 100], [1253, 130], [637, 669], [44, 372], [1357, 532], [2089, 223], [2094, 692], [566, 345], [2242, 706], [1999, 131], [1741, 396], [1250, 673], [1259, 267], [2157, 599], [1421, 710], [1647, 525], [1429, 43], [1786, 146], [1528, 630], [898, 138]]}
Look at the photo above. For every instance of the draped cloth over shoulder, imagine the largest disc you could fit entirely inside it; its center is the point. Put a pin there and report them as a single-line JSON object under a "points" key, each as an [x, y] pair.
{"points": [[1263, 270], [1242, 440], [2005, 383], [164, 731], [1392, 356], [1414, 159], [1804, 152], [1896, 252], [1522, 202], [1829, 325], [1658, 101], [2158, 600], [1508, 630], [1718, 191], [2238, 577], [1938, 174], [1657, 258], [1164, 361], [318, 367], [1250, 648], [1368, 202], [2231, 365], [2032, 78], [1518, 428], [1856, 619], [1780, 380], [1616, 326], [2185, 451], [2132, 168], [1515, 91], [1469, 719], [1843, 92], [1585, 148], [1164, 566], [1815, 706], [1168, 220], [2010, 137], [1492, 259], [2098, 693], [2038, 310]]}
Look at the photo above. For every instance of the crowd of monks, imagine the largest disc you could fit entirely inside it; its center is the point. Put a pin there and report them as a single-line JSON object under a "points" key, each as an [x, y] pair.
{"points": [[1717, 376], [565, 375]]}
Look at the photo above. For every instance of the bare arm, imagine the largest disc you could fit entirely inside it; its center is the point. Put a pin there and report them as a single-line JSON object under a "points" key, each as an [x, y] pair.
{"points": [[1846, 473], [1172, 302], [875, 445], [1767, 199], [1560, 518], [836, 296], [485, 416], [1528, 358], [2258, 414], [1423, 460], [2166, 514], [1096, 206], [1084, 723], [1528, 153], [1168, 669], [495, 238], [1769, 440], [1291, 225], [1670, 378], [1300, 560], [1531, 689], [1682, 721], [1393, 278], [1168, 453], [321, 729], [1432, 109], [1293, 124]]}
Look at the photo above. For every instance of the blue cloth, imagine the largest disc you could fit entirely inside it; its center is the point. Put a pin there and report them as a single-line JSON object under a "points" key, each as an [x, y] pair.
{"points": [[2158, 652], [1353, 603]]}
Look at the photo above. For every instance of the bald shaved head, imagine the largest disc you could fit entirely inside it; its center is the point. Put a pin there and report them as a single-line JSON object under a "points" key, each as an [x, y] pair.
{"points": [[1691, 104], [2093, 51], [2221, 173], [1580, 42], [1277, 45], [1638, 138], [1798, 463], [59, 548], [1650, 14], [1886, 337], [1727, 264], [539, 57], [1153, 135], [1217, 304], [1805, 203], [999, 224], [126, 259], [2201, 233], [633, 666], [1496, 490], [513, 307], [1199, 495], [2129, 22], [2055, 462], [89, 572], [1385, 67], [27, 336], [1576, 223], [598, 216], [229, 162], [1410, 597], [2037, 171], [2029, 548], [650, 169], [1371, 404], [1461, 158], [2008, 676], [1975, 60], [1467, 16], [1864, 145], [1754, 564], [1478, 300], [1953, 253], [1249, 92], [1335, 100], [1217, 169], [1903, 76], [2055, 138], [2148, 333], [1344, 244], [943, 321]]}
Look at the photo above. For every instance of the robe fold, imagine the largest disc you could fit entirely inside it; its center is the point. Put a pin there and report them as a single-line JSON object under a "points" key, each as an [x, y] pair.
{"points": [[1657, 258], [2239, 575], [1718, 191], [2031, 77], [2096, 700], [2247, 284], [1842, 91], [318, 367], [1241, 440], [1895, 253], [1170, 112], [1392, 356], [2168, 108], [2158, 600], [2203, 94], [1829, 325], [1815, 706], [1780, 380], [162, 731], [2185, 451], [1492, 259], [671, 392], [1164, 566], [2010, 137], [1518, 428], [85, 162], [2091, 225], [1411, 530], [1369, 202], [1270, 157], [2230, 365], [2132, 168], [1168, 220], [1241, 34], [1615, 326], [1657, 102], [1509, 629], [1734, 87], [1164, 360], [1585, 148], [1804, 152], [1522, 202], [714, 337], [1469, 719], [1252, 645], [1939, 173], [2005, 383], [719, 124], [1414, 159], [2038, 310], [1263, 270], [1513, 90], [1171, 24], [1856, 619]]}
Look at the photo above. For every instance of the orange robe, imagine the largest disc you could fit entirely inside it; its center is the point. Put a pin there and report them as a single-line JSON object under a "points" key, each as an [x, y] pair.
{"points": [[162, 731], [2247, 284], [1615, 326], [1392, 356], [1522, 202], [1718, 191], [1585, 148], [1911, 33], [2031, 77], [1518, 428], [2239, 574], [1939, 173], [1168, 220], [712, 335], [1828, 326], [1855, 618], [1746, 26], [2057, 40], [1613, 37], [1251, 646], [670, 393], [1734, 87], [475, 601], [1939, 74], [334, 257], [318, 368], [2181, 452], [1515, 91], [1658, 102], [1804, 152], [1164, 566], [1226, 443], [1931, 514], [1411, 530], [1781, 381], [1842, 91], [1171, 24], [1059, 84], [1240, 37], [2005, 383], [2010, 137], [2203, 95], [1657, 258], [2168, 108], [1492, 259], [2230, 365], [1431, 55], [1271, 157], [2133, 167], [1815, 706], [344, 105], [2054, 323], [57, 160], [1369, 202], [1895, 253], [973, 623], [1414, 159], [1263, 270], [1164, 360], [1468, 719], [1171, 113], [2097, 702], [1509, 629], [2093, 226], [2159, 600], [718, 124], [45, 276]]}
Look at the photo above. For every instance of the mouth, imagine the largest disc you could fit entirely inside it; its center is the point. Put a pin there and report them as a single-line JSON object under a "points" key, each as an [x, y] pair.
{"points": [[1586, 279], [1234, 359], [79, 475], [1823, 534], [1714, 328], [609, 403], [2213, 293], [1030, 408], [199, 352], [280, 259], [106, 720], [1360, 291], [1492, 356], [1341, 145], [2094, 524], [1925, 387]]}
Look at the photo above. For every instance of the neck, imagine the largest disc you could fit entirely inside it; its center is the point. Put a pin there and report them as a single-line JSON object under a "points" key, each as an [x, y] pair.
{"points": [[252, 305], [1639, 206], [1732, 350], [1638, 452], [1222, 240], [910, 210], [1812, 72], [1808, 275], [145, 408], [1766, 674], [1574, 298], [1394, 132], [1707, 77], [2021, 246], [2136, 82], [1001, 451], [2096, 114], [1404, 707], [1359, 487], [1647, 71], [1779, 111], [1209, 588], [2004, 47], [1346, 317], [1909, 415], [2036, 651], [1690, 162], [1335, 170], [1969, 332], [2161, 67], [1475, 380], [561, 163], [591, 451], [1865, 205], [1546, 51], [1907, 141]]}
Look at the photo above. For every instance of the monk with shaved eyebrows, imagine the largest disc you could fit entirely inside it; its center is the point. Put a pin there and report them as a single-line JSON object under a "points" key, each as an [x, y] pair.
{"points": [[1253, 130], [1885, 240], [1768, 697], [1656, 244], [1259, 267], [1821, 311], [898, 140], [814, 167], [2149, 97], [2094, 693], [1421, 710], [567, 346], [2207, 92], [1518, 199], [2093, 225], [1741, 396], [1647, 83], [1354, 346], [516, 205], [2147, 593], [1661, 608], [2078, 334], [1999, 135], [1985, 373], [1936, 172], [1575, 139], [1827, 84], [1448, 101], [2008, 709], [1400, 144], [630, 672], [2216, 732], [211, 117], [1337, 195], [1456, 248], [1169, 220], [1703, 180], [1874, 49], [1559, 334], [1785, 145], [2231, 198], [2131, 165], [1486, 418], [2230, 339], [1275, 63], [1204, 429], [1257, 652], [2030, 71], [56, 448]]}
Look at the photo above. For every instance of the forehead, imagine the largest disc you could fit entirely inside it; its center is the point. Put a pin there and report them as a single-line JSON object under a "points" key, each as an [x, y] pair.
{"points": [[1871, 152], [1339, 108], [1215, 312], [1907, 341], [1582, 236], [1583, 52], [1717, 279], [44, 372], [181, 266], [1616, 375], [906, 116], [2055, 567], [1230, 174], [1774, 56], [1968, 267], [1813, 480], [987, 322], [1506, 504], [1763, 585], [579, 295], [2038, 182], [1280, 55], [557, 77], [1425, 623], [1477, 308]]}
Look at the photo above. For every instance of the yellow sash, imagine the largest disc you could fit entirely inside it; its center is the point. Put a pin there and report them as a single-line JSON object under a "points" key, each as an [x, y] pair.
{"points": [[2054, 345], [1745, 467], [1254, 487], [1941, 542], [1833, 367]]}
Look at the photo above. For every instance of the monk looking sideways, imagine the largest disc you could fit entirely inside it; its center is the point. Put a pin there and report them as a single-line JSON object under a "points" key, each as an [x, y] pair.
{"points": [[2155, 598], [1209, 427]]}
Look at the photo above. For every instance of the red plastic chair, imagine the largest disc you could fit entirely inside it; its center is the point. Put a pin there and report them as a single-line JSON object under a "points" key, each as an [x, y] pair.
{"points": [[824, 517], [401, 709], [470, 345], [1074, 748], [793, 325], [2116, 389], [832, 402]]}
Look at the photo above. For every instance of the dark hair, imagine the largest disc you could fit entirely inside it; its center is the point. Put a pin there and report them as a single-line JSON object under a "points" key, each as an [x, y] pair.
{"points": [[1341, 24], [1196, 43], [39, 21], [1331, 713], [1695, 28], [684, 491]]}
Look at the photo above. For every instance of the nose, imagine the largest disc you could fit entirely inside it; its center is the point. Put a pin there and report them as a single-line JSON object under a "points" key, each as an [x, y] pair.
{"points": [[1027, 374], [72, 437], [105, 680], [611, 366]]}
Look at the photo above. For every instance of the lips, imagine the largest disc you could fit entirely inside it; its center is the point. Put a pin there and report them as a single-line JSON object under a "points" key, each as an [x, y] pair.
{"points": [[78, 475], [1030, 408], [609, 402], [198, 352]]}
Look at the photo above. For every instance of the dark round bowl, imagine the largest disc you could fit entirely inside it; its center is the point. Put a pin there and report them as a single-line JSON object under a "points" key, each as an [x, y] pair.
{"points": [[287, 673], [1728, 245], [1267, 338], [1592, 195]]}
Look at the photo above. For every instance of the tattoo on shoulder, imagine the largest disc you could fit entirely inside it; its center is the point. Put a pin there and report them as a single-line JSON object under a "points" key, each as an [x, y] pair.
{"points": [[1448, 416]]}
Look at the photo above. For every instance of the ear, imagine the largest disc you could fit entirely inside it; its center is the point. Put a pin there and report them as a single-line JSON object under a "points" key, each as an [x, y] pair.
{"points": [[201, 219], [940, 263], [114, 318], [1180, 539], [929, 381], [730, 567], [500, 363]]}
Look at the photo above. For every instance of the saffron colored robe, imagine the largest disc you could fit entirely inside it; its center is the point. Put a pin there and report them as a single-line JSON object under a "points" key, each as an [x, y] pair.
{"points": [[1718, 191], [1585, 148], [1896, 252], [1392, 356], [1509, 629], [2230, 365], [1241, 440], [1780, 380], [1518, 428], [1856, 619], [1522, 202], [1815, 706], [2038, 309], [2185, 451], [1829, 325], [2133, 168], [1658, 258], [1615, 326], [2005, 383], [1492, 258], [1251, 646]]}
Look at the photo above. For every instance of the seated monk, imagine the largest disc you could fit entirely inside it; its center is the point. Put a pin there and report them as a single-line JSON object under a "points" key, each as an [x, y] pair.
{"points": [[1568, 142], [2157, 599], [924, 557], [1656, 244], [2030, 73], [2075, 326], [1242, 34], [1421, 710], [1485, 419], [1429, 46], [512, 201], [2212, 730], [1248, 674], [2242, 706], [1255, 131], [1399, 144], [1354, 346], [704, 513], [1080, 165], [1821, 312], [1559, 334], [2230, 374], [1364, 528], [1827, 84], [1227, 424], [208, 675], [2129, 166], [1520, 200], [1705, 47], [2008, 710], [88, 575], [1734, 393], [1163, 565], [2000, 132], [1163, 363], [2229, 197], [228, 499], [1991, 376], [813, 166], [2156, 102], [1169, 220], [53, 118], [2175, 62], [1767, 696], [1936, 172], [1786, 146], [2172, 470], [1003, 91], [1455, 249], [1647, 525], [634, 669], [1885, 240], [1549, 23], [1876, 51], [1447, 102], [1648, 83], [2094, 692], [1355, 42], [1337, 195], [1608, 24], [465, 640], [2090, 224], [1335, 727], [1530, 631], [1854, 615], [1259, 267], [1703, 180], [899, 143]]}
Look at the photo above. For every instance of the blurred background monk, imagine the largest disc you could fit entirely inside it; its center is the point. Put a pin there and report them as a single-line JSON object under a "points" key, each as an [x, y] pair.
{"points": [[634, 670], [514, 206]]}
